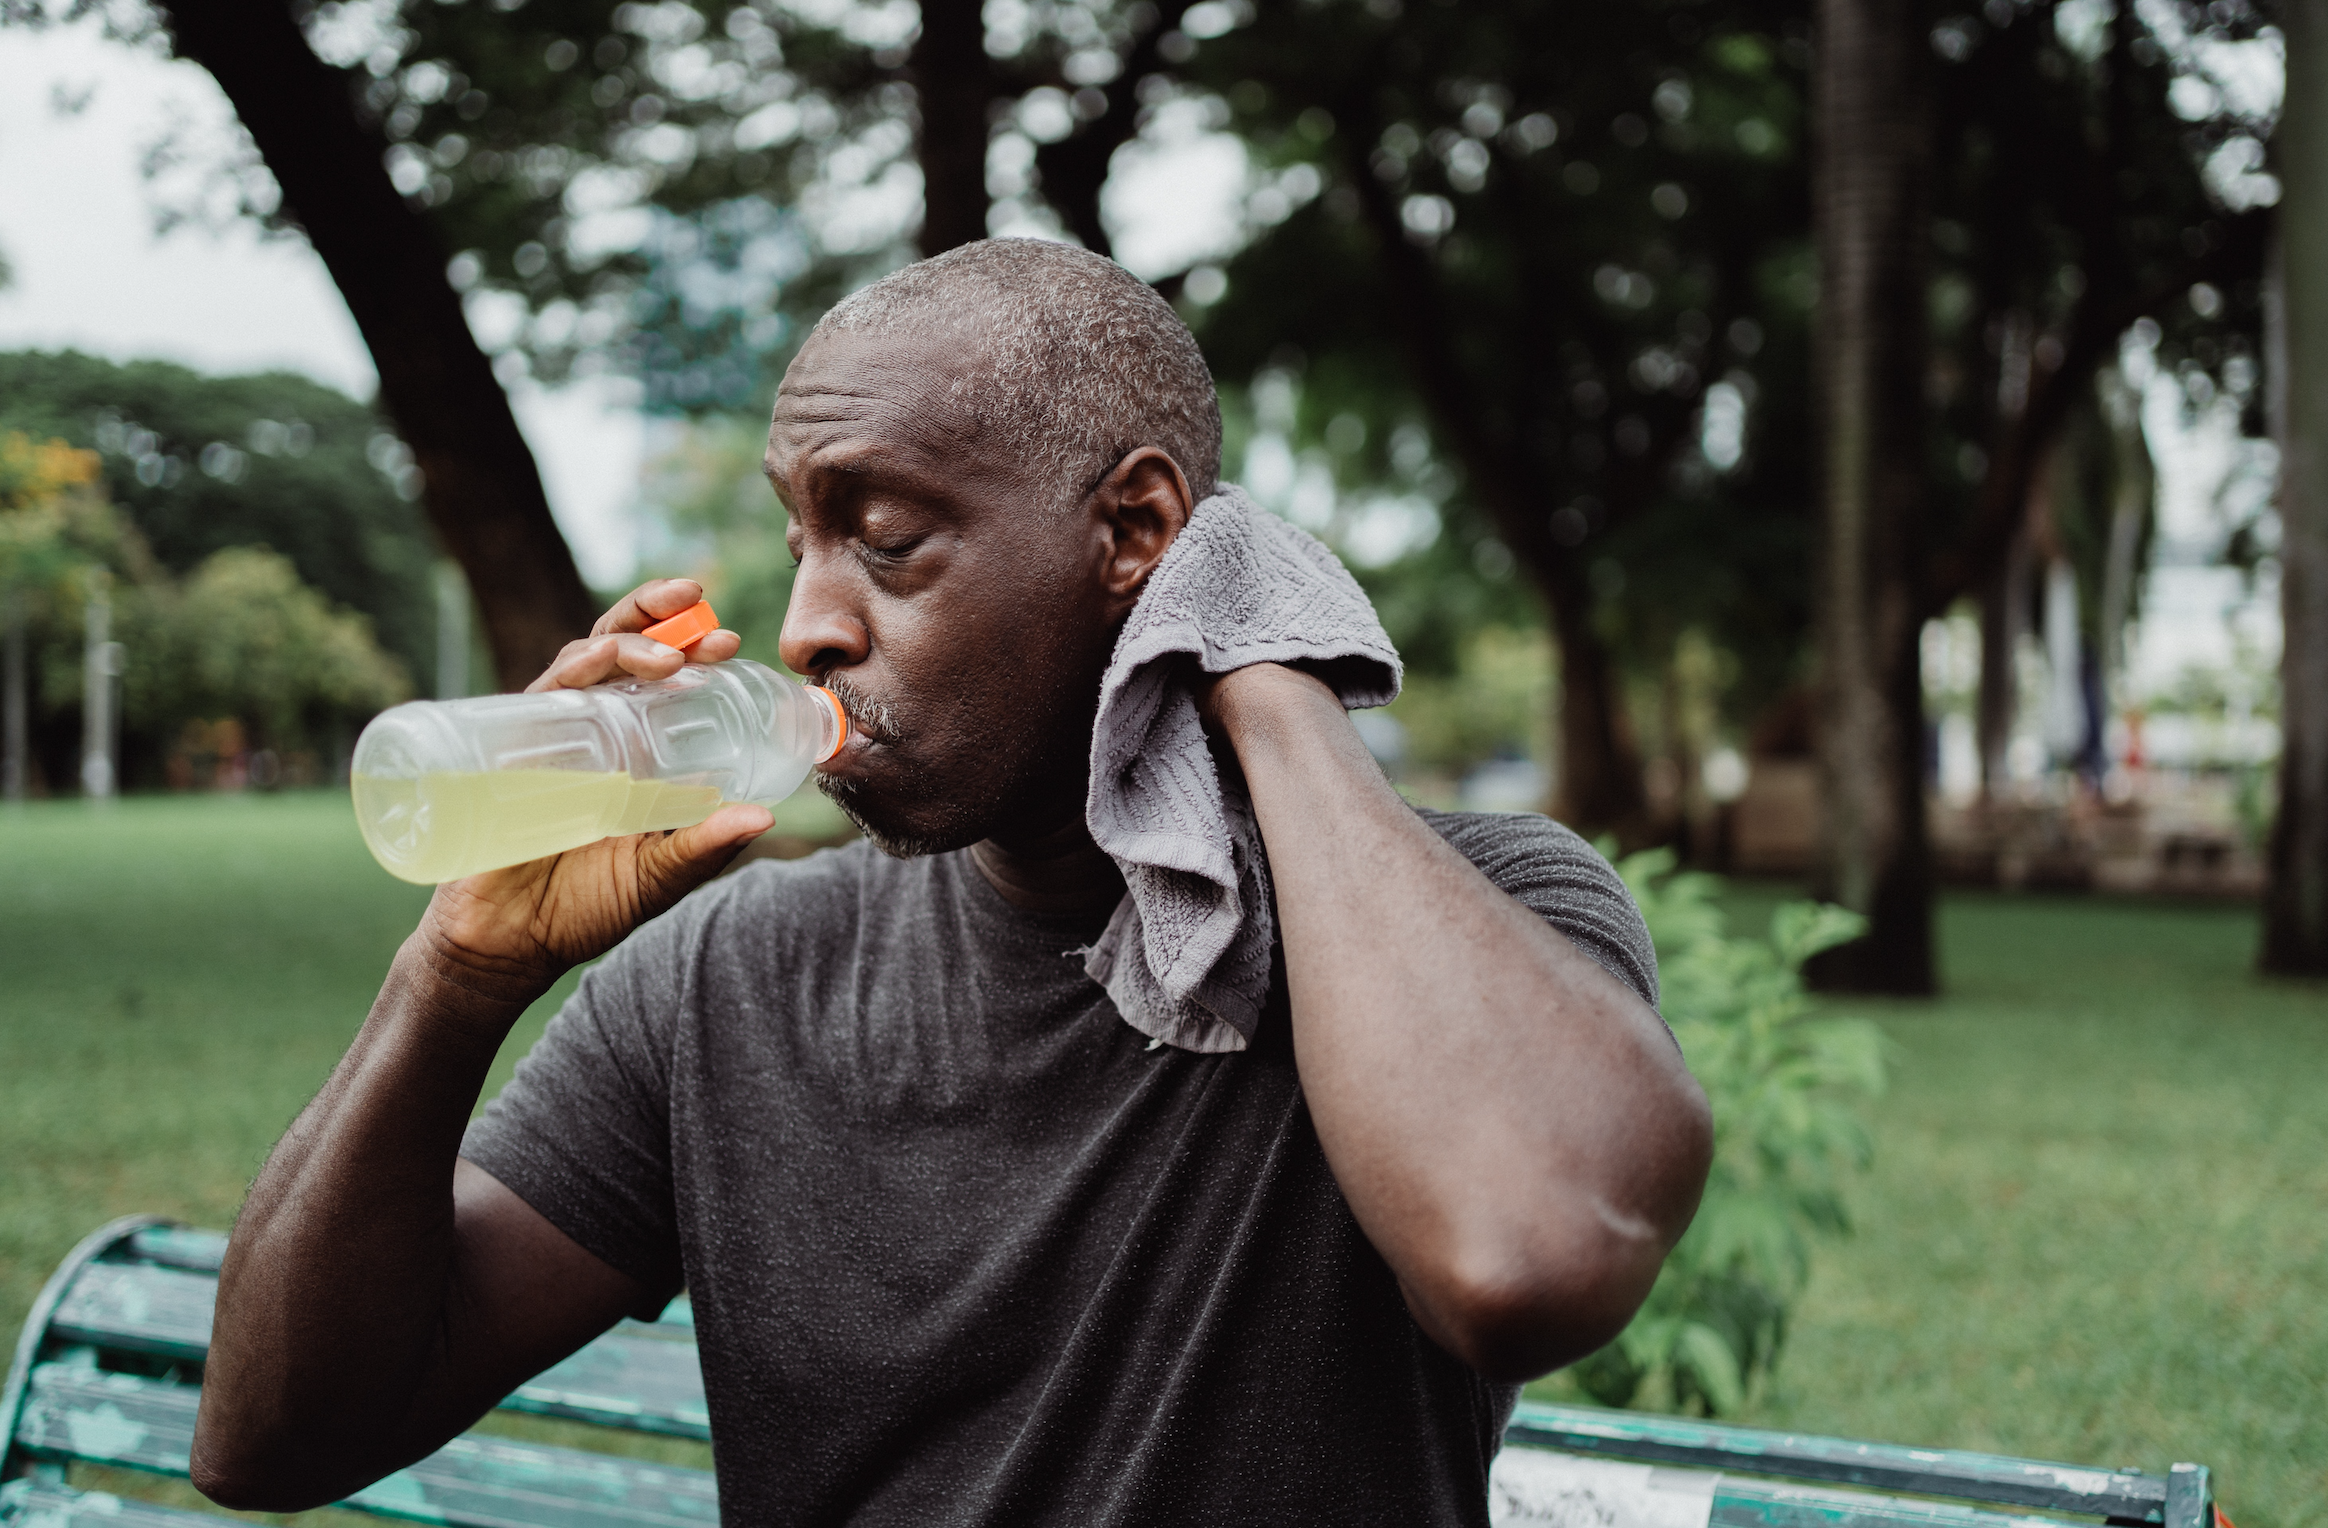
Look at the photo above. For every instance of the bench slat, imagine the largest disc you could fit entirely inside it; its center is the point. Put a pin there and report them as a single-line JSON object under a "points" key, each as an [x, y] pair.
{"points": [[472, 1482], [641, 1375], [1803, 1456], [623, 1379], [180, 1247], [185, 1263], [1759, 1504], [1536, 1488], [139, 1308], [75, 1412], [35, 1504], [475, 1482]]}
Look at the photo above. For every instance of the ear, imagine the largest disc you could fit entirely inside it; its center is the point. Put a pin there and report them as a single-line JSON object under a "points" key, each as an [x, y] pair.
{"points": [[1139, 509]]}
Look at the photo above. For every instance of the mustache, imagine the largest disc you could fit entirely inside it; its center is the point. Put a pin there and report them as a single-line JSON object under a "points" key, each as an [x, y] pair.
{"points": [[877, 719]]}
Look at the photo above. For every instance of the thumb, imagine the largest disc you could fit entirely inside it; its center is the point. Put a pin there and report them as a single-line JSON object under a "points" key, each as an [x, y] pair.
{"points": [[684, 860]]}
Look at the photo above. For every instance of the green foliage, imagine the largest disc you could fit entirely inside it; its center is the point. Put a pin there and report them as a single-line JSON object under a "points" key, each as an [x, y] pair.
{"points": [[1495, 705], [56, 525], [199, 464], [241, 638], [244, 638], [1575, 242], [1786, 1087], [1546, 233]]}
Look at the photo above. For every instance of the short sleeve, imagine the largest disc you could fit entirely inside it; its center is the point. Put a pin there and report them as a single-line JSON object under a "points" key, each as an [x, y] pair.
{"points": [[582, 1132], [1562, 879]]}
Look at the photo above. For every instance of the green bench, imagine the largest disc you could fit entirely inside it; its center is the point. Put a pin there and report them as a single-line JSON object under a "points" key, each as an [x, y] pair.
{"points": [[108, 1371]]}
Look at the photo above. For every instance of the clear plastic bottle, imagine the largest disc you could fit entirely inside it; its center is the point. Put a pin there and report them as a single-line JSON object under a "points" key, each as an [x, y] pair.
{"points": [[449, 788]]}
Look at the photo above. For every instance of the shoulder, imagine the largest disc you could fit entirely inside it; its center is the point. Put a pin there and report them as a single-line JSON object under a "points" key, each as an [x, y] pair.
{"points": [[1563, 879]]}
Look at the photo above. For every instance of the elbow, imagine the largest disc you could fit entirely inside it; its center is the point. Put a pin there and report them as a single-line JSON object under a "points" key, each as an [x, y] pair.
{"points": [[229, 1481], [246, 1473], [1515, 1318], [224, 1483], [1522, 1297]]}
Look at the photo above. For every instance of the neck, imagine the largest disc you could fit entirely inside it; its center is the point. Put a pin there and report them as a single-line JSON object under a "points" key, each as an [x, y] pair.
{"points": [[1059, 871]]}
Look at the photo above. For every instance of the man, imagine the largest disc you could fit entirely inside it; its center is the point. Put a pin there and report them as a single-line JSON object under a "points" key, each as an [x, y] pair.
{"points": [[962, 1247]]}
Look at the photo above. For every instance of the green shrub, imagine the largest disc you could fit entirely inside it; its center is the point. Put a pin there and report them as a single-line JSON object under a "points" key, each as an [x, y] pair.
{"points": [[1495, 705], [1787, 1090]]}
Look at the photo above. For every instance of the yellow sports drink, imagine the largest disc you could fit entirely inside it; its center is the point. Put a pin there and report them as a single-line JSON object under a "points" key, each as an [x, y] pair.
{"points": [[447, 824], [449, 788]]}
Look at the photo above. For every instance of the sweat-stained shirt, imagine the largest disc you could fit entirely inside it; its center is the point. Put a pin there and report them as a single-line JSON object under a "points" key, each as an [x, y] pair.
{"points": [[962, 1249]]}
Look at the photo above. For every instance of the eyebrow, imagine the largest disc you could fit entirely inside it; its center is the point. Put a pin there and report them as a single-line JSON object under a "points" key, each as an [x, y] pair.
{"points": [[878, 465]]}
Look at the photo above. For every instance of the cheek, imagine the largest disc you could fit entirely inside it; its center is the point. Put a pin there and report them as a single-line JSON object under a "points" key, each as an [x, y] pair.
{"points": [[1010, 611]]}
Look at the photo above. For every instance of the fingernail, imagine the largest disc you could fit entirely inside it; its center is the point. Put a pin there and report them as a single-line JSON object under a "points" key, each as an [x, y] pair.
{"points": [[660, 649]]}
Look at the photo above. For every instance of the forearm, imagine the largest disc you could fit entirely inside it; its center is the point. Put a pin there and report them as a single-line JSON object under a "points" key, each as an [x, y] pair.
{"points": [[1511, 1125], [339, 1284]]}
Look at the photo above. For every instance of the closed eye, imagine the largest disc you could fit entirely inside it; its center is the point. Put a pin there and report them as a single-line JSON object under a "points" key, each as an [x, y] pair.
{"points": [[896, 551]]}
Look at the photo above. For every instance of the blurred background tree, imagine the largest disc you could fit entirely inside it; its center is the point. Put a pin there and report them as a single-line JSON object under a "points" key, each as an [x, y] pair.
{"points": [[1518, 309], [238, 660], [1539, 237], [2295, 938], [199, 464], [1579, 251], [598, 176], [243, 641]]}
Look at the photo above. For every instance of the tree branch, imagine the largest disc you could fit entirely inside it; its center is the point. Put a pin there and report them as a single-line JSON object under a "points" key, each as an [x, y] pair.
{"points": [[1074, 169], [483, 495], [2004, 497], [953, 86]]}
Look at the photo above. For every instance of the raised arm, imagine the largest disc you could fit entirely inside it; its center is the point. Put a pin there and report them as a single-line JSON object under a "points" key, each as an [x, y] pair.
{"points": [[1513, 1126], [378, 1294]]}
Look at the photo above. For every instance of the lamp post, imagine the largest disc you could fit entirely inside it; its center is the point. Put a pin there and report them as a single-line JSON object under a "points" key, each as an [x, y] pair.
{"points": [[101, 664]]}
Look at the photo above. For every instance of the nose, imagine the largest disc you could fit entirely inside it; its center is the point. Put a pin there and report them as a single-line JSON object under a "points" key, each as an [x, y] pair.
{"points": [[823, 628]]}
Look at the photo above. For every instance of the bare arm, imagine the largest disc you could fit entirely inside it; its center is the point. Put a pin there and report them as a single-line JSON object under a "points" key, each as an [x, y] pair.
{"points": [[378, 1294], [1513, 1127]]}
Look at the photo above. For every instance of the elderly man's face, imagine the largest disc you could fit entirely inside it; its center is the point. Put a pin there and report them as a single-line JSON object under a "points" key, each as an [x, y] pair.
{"points": [[943, 593]]}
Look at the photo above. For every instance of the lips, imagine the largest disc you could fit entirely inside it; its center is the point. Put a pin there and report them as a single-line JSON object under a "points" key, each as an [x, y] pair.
{"points": [[869, 719]]}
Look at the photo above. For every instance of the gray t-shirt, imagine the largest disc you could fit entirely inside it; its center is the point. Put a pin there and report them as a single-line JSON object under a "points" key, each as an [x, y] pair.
{"points": [[962, 1248]]}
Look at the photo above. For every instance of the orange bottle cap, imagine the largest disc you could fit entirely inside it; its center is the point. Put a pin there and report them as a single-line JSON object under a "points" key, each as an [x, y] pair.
{"points": [[840, 719], [685, 629]]}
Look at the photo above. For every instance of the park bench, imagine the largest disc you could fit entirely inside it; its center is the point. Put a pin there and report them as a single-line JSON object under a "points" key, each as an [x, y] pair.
{"points": [[108, 1372]]}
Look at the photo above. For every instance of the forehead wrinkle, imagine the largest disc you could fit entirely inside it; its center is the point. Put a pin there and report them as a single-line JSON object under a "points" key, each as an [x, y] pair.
{"points": [[886, 414], [910, 374], [860, 461]]}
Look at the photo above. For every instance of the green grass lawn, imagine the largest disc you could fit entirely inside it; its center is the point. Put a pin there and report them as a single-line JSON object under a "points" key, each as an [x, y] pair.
{"points": [[2097, 1225], [2096, 1230]]}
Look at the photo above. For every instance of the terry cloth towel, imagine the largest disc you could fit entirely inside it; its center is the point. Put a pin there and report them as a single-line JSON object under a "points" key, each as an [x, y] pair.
{"points": [[1186, 955]]}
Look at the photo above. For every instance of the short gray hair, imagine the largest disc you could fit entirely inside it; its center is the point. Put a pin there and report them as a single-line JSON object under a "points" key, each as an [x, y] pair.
{"points": [[1080, 361]]}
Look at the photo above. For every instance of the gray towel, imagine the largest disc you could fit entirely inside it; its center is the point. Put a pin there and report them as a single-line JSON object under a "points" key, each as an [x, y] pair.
{"points": [[1186, 956]]}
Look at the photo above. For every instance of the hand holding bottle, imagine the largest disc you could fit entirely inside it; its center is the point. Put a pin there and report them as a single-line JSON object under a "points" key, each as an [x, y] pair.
{"points": [[668, 745]]}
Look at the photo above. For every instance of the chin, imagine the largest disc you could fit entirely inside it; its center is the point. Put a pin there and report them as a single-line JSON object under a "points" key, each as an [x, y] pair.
{"points": [[891, 832]]}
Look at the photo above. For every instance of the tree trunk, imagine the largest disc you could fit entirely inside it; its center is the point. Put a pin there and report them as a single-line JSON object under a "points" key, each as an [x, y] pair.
{"points": [[483, 494], [1598, 789], [1599, 786], [1867, 195], [2295, 904], [953, 84]]}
